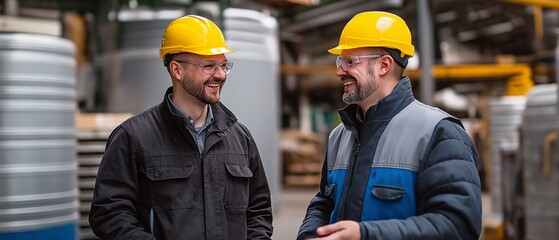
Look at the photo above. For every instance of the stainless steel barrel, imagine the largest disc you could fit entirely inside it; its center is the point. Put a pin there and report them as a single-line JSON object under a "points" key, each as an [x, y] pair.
{"points": [[38, 190], [252, 89], [505, 116], [134, 78], [540, 165]]}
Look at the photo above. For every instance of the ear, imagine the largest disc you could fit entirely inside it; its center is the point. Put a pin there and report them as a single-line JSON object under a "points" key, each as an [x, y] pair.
{"points": [[176, 70], [386, 65]]}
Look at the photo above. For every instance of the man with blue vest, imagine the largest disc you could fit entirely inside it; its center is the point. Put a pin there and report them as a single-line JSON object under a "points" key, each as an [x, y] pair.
{"points": [[395, 168]]}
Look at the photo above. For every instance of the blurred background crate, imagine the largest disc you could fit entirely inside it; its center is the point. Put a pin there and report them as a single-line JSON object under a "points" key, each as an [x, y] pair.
{"points": [[93, 130], [302, 155]]}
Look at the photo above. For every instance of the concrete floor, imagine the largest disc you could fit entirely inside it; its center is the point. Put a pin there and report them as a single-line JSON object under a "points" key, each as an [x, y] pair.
{"points": [[291, 211]]}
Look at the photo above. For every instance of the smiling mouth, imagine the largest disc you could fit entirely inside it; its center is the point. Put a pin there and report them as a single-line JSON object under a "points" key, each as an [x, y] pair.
{"points": [[213, 85], [349, 83]]}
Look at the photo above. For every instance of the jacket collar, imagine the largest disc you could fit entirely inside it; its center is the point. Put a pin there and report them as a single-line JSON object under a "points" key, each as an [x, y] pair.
{"points": [[385, 109], [223, 117]]}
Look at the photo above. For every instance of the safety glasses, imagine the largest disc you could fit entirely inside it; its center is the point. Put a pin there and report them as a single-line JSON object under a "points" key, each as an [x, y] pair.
{"points": [[347, 63], [210, 67]]}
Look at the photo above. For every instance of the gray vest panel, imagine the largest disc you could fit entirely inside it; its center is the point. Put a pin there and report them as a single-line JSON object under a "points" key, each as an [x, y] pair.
{"points": [[402, 144], [404, 141], [340, 144]]}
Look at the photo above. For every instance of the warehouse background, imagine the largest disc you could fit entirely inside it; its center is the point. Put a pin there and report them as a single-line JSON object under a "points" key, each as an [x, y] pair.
{"points": [[70, 71]]}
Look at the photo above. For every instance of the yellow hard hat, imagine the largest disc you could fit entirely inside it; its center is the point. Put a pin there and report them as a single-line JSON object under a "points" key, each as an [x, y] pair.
{"points": [[193, 34], [375, 29]]}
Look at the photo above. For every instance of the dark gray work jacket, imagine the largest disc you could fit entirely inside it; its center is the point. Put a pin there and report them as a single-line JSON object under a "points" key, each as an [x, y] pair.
{"points": [[154, 184]]}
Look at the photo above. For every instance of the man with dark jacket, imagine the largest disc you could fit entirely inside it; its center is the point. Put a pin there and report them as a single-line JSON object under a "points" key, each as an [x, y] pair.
{"points": [[186, 168], [395, 168]]}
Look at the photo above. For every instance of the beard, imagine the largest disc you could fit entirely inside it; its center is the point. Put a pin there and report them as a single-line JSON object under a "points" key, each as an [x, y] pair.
{"points": [[197, 90], [361, 91]]}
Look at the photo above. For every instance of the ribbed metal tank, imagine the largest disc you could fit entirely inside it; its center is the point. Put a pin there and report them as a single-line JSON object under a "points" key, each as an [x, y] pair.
{"points": [[540, 165], [134, 78], [252, 88], [38, 190], [505, 116]]}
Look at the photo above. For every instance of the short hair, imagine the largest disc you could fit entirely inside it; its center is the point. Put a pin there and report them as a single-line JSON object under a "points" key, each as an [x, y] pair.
{"points": [[396, 55], [167, 59]]}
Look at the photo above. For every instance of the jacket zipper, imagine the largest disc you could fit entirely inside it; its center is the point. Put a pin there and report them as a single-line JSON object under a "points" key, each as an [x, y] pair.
{"points": [[203, 194], [354, 163], [202, 155], [206, 148]]}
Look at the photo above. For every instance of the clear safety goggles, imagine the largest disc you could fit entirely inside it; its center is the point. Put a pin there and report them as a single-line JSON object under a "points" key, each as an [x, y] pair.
{"points": [[210, 67], [347, 63]]}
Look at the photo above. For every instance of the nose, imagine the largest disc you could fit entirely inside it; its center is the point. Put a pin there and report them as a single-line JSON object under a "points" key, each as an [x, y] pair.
{"points": [[340, 72], [219, 73]]}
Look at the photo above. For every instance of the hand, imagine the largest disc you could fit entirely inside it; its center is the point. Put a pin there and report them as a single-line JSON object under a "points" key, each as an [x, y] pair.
{"points": [[342, 230]]}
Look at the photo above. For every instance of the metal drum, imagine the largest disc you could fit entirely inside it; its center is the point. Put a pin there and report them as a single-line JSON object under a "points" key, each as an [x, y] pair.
{"points": [[540, 165], [505, 116], [252, 89], [38, 190], [142, 33], [134, 78]]}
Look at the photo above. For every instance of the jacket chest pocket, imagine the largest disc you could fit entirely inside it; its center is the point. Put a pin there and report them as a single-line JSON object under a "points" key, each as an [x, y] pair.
{"points": [[387, 193], [171, 187], [237, 186]]}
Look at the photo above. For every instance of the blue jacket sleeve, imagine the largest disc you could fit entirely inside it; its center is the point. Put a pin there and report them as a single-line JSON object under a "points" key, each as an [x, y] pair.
{"points": [[448, 192], [319, 210]]}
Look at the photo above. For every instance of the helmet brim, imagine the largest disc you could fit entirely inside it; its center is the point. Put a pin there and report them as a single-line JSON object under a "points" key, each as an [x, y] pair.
{"points": [[205, 52]]}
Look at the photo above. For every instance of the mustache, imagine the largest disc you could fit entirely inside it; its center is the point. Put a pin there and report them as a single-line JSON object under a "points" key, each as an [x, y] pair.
{"points": [[346, 77], [215, 80]]}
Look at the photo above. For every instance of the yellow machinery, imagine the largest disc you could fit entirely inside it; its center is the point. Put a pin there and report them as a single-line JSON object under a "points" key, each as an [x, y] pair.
{"points": [[519, 76]]}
